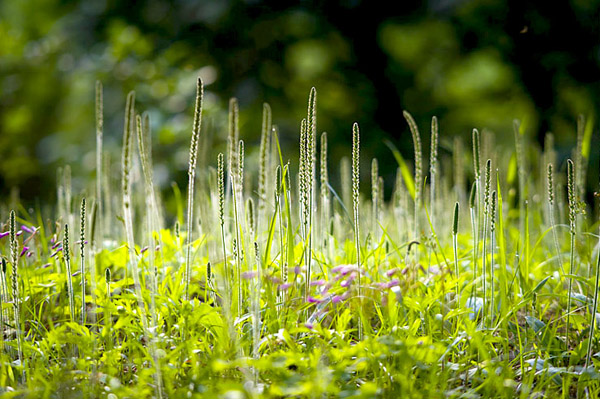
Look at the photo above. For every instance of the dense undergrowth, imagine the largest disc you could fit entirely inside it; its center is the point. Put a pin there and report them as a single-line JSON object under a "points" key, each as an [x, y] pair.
{"points": [[277, 284]]}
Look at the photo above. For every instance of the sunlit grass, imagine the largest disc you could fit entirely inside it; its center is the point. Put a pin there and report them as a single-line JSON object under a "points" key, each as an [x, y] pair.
{"points": [[306, 295]]}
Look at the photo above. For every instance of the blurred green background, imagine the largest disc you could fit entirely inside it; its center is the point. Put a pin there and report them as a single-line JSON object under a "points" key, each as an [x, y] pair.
{"points": [[472, 63]]}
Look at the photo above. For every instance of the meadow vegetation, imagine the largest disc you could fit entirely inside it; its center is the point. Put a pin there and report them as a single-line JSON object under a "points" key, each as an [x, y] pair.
{"points": [[474, 277]]}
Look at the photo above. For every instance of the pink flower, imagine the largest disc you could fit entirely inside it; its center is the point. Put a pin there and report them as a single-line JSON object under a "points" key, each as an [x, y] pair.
{"points": [[249, 275], [395, 282], [28, 229], [25, 249], [337, 269], [274, 279], [319, 283], [285, 286], [350, 269], [340, 298], [56, 252], [391, 272], [311, 299]]}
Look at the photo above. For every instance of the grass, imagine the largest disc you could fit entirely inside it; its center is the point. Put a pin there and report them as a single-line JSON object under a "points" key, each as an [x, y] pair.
{"points": [[305, 295]]}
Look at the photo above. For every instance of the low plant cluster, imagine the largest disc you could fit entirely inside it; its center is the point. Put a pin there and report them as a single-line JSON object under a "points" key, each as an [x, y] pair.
{"points": [[277, 284]]}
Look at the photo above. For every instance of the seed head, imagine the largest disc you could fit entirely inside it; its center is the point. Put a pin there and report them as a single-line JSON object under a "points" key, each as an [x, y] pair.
{"points": [[550, 181], [571, 195], [488, 181], [473, 197], [455, 219], [355, 164], [476, 154], [434, 145], [221, 188], [66, 251], [493, 211]]}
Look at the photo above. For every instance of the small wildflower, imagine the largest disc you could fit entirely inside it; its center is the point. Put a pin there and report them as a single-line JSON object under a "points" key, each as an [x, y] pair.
{"points": [[56, 252], [24, 250], [285, 286], [391, 272], [28, 229], [312, 299], [394, 283], [319, 283], [274, 279], [248, 275], [344, 269]]}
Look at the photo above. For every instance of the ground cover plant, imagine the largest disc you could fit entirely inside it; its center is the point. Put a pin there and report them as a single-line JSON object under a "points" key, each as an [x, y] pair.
{"points": [[477, 278]]}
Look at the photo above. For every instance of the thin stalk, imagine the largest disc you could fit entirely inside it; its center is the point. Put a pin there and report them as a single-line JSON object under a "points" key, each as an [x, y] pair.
{"points": [[550, 191], [572, 231], [221, 188], [143, 138], [99, 176], [593, 315], [67, 255], [14, 251], [311, 152], [325, 197], [375, 199], [82, 250], [355, 199], [303, 177], [278, 188], [433, 154], [418, 173], [521, 170], [145, 157], [233, 138], [472, 208], [191, 180], [479, 192], [455, 250], [263, 164], [492, 250], [486, 211], [236, 194], [256, 304]]}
